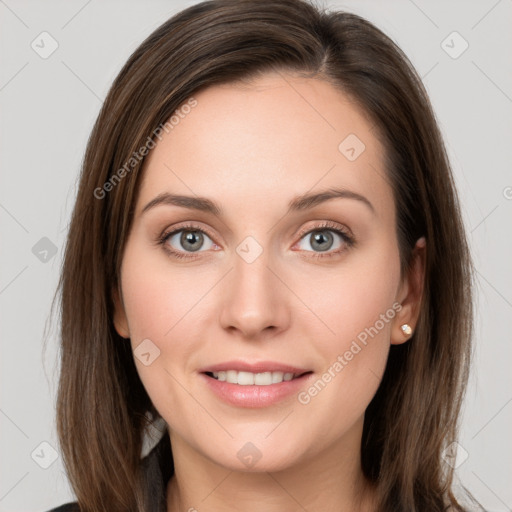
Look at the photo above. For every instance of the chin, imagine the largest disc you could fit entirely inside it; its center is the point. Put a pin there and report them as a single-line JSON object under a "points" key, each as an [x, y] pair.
{"points": [[252, 457]]}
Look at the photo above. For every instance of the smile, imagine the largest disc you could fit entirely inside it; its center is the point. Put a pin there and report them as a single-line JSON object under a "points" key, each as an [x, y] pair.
{"points": [[251, 379]]}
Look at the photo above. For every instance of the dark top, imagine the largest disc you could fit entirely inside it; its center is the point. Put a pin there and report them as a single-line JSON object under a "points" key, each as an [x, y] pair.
{"points": [[157, 469]]}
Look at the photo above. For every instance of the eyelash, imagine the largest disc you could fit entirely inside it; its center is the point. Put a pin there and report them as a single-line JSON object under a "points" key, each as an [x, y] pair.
{"points": [[347, 239]]}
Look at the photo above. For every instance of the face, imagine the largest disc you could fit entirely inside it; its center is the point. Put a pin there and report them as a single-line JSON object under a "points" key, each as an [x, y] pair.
{"points": [[259, 278]]}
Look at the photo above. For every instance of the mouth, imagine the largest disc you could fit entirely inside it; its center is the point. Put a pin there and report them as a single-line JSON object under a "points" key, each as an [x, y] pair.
{"points": [[244, 378], [255, 384], [264, 386]]}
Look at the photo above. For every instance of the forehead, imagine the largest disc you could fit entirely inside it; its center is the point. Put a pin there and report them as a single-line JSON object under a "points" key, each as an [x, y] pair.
{"points": [[265, 142]]}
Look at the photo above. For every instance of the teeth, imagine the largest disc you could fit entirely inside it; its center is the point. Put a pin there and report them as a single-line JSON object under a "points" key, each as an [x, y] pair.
{"points": [[277, 377], [250, 379]]}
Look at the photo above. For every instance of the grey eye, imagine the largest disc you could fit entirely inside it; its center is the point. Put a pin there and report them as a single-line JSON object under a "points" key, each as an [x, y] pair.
{"points": [[190, 240], [321, 240]]}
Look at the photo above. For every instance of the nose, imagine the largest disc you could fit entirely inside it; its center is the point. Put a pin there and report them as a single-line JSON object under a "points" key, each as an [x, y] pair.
{"points": [[254, 304]]}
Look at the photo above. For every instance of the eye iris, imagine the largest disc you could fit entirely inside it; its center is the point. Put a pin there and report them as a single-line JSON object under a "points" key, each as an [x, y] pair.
{"points": [[191, 240], [320, 239]]}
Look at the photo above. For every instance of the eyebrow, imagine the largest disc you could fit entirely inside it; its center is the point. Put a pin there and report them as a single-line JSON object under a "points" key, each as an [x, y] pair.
{"points": [[303, 202]]}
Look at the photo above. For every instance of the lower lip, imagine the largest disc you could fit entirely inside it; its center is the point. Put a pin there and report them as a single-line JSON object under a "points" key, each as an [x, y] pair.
{"points": [[255, 396]]}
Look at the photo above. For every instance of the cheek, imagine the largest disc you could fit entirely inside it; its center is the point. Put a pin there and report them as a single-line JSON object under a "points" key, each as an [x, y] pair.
{"points": [[356, 307], [159, 305], [350, 299], [157, 297], [165, 305]]}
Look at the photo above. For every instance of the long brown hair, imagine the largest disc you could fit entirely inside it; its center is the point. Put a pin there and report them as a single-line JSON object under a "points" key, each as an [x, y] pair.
{"points": [[102, 407]]}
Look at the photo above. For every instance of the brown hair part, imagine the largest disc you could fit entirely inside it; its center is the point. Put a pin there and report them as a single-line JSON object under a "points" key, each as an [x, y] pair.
{"points": [[102, 406]]}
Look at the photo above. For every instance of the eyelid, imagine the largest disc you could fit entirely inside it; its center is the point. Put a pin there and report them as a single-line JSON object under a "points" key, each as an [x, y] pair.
{"points": [[326, 224], [187, 226], [304, 231]]}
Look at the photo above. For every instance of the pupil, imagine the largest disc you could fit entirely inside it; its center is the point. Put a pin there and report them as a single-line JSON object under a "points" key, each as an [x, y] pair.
{"points": [[320, 239], [191, 240]]}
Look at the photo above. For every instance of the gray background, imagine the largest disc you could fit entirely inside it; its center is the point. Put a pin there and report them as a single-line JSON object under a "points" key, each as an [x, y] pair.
{"points": [[48, 107]]}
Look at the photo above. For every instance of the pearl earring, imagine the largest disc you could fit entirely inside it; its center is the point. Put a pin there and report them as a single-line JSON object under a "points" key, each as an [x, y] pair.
{"points": [[406, 329]]}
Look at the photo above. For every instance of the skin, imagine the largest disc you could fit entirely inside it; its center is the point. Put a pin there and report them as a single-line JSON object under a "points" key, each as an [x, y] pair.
{"points": [[252, 147]]}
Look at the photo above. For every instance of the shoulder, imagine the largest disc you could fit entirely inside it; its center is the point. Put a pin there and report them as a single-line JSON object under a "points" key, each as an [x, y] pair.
{"points": [[68, 507]]}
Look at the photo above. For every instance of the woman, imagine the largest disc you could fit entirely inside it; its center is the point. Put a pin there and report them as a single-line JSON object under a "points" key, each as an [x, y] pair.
{"points": [[267, 257]]}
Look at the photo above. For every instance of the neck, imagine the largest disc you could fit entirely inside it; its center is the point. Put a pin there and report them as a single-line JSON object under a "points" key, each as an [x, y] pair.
{"points": [[331, 481]]}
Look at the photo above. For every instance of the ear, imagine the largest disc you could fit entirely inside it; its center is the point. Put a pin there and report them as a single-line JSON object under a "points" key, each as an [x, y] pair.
{"points": [[410, 294], [120, 320]]}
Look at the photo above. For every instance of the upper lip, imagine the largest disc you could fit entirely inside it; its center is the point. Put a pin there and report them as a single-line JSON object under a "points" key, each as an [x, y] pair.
{"points": [[256, 367]]}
